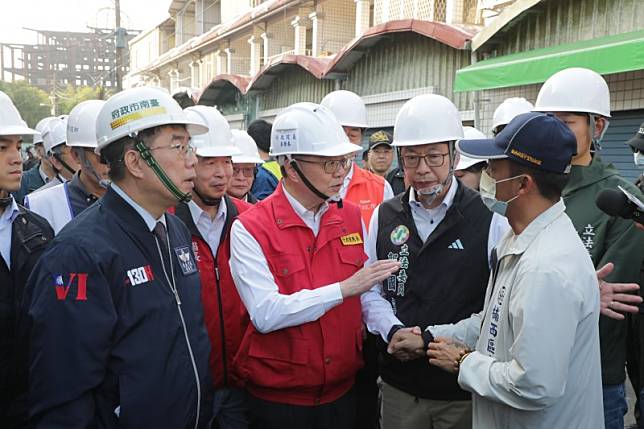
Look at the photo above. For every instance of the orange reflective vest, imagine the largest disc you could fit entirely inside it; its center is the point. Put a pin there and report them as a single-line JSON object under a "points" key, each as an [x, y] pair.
{"points": [[367, 191]]}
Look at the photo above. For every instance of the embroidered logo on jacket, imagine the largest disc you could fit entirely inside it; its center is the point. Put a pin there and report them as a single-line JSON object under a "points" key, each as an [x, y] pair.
{"points": [[140, 275], [62, 287], [186, 261]]}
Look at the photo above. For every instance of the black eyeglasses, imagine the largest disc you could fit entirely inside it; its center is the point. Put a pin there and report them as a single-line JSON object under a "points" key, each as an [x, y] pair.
{"points": [[332, 166], [431, 159], [246, 171]]}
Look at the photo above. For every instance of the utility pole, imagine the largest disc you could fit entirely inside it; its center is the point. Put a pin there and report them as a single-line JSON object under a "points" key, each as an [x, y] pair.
{"points": [[119, 37]]}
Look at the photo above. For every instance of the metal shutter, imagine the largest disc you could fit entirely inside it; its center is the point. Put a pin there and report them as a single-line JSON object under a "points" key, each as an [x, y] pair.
{"points": [[623, 126]]}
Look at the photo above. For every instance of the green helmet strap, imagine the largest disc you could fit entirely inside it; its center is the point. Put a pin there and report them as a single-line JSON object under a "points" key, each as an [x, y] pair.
{"points": [[145, 153]]}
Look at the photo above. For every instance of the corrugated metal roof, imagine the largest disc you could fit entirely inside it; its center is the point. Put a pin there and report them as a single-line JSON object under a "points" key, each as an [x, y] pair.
{"points": [[448, 34], [220, 83], [315, 66]]}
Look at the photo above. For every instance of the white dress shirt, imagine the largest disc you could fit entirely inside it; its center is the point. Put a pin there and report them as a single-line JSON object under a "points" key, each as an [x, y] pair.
{"points": [[388, 192], [6, 219], [149, 220], [380, 317], [270, 310], [210, 229]]}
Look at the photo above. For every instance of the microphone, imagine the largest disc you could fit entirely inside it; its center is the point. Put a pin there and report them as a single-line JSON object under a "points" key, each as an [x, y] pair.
{"points": [[616, 203]]}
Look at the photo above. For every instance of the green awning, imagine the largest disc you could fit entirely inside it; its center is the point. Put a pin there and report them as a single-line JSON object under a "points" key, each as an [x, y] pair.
{"points": [[612, 54]]}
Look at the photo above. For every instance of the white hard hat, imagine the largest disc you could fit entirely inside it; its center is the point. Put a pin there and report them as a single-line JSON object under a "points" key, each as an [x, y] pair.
{"points": [[11, 124], [81, 124], [309, 129], [576, 90], [218, 141], [41, 126], [428, 118], [348, 107], [247, 147], [55, 133], [465, 162], [138, 109], [510, 108]]}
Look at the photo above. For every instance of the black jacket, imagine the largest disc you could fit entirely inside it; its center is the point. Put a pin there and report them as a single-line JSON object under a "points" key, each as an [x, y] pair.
{"points": [[30, 235], [112, 345], [396, 179]]}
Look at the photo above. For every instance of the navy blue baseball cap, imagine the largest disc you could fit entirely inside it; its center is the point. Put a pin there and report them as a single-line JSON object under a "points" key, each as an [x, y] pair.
{"points": [[538, 140]]}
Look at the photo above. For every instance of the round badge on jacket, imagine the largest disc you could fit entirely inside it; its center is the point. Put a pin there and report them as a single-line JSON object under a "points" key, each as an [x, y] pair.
{"points": [[399, 235]]}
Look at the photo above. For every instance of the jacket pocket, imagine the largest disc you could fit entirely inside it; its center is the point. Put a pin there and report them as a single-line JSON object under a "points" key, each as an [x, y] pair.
{"points": [[352, 255], [277, 359], [285, 264]]}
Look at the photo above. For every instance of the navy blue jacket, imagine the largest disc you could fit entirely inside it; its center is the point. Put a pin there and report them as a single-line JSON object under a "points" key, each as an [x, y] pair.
{"points": [[107, 334], [264, 184]]}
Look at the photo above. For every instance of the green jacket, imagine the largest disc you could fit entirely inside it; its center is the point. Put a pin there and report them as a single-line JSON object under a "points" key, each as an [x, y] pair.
{"points": [[608, 239]]}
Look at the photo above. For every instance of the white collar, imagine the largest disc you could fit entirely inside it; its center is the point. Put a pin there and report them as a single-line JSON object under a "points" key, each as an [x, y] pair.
{"points": [[43, 176], [302, 211], [149, 220], [446, 203], [197, 212]]}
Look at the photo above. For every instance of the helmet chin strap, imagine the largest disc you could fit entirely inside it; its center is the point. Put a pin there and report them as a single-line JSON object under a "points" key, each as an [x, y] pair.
{"points": [[64, 164], [212, 202], [104, 183], [144, 151], [317, 192]]}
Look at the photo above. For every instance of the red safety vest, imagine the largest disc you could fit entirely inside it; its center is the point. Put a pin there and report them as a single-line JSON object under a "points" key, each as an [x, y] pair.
{"points": [[367, 191], [314, 363], [225, 316]]}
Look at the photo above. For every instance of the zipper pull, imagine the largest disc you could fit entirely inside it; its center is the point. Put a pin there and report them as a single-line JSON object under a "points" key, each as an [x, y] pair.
{"points": [[176, 296], [217, 272]]}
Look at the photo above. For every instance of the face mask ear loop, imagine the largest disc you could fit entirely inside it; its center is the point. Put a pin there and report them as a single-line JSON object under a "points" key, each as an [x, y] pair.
{"points": [[595, 145]]}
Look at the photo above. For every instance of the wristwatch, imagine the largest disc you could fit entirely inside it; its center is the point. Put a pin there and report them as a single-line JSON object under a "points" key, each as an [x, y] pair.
{"points": [[427, 338]]}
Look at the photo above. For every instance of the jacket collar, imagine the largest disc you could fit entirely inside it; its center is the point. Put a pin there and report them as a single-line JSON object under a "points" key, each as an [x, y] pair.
{"points": [[27, 234], [512, 244], [251, 199], [462, 197], [182, 211], [582, 176], [124, 213], [149, 221]]}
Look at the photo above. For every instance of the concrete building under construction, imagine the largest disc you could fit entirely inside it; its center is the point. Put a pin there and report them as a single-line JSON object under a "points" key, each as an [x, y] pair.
{"points": [[61, 58]]}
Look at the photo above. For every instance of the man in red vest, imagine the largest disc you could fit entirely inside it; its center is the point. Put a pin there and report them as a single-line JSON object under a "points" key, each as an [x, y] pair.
{"points": [[361, 187], [208, 216], [297, 260]]}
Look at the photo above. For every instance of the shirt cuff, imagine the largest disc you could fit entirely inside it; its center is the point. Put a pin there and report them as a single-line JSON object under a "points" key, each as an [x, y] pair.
{"points": [[427, 337], [331, 296], [474, 373]]}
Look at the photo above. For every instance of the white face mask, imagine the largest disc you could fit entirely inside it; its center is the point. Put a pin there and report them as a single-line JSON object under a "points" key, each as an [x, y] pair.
{"points": [[638, 157], [487, 188]]}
